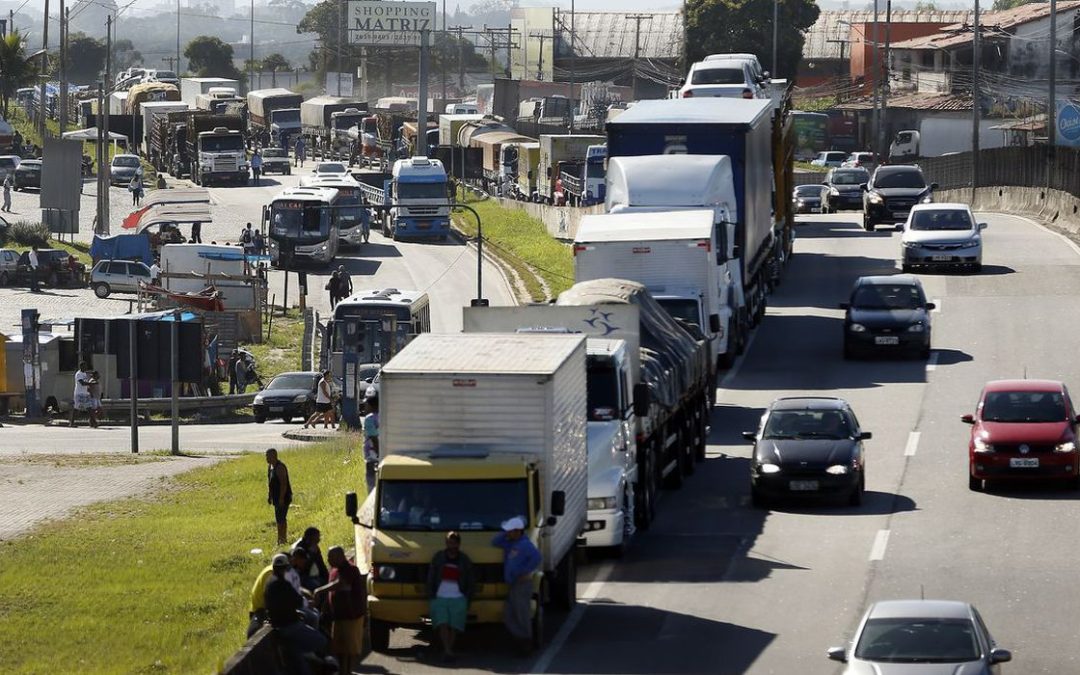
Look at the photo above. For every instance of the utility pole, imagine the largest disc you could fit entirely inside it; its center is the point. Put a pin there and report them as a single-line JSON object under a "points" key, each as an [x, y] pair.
{"points": [[103, 167], [44, 73], [63, 69], [775, 35], [442, 54], [875, 64], [251, 50], [422, 96], [573, 64], [1051, 104], [461, 55], [638, 18], [882, 148], [976, 46], [171, 60], [340, 46], [178, 35], [540, 57], [100, 159]]}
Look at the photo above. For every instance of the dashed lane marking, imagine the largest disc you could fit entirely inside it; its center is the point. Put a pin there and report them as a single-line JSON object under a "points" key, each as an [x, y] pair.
{"points": [[912, 444], [881, 541]]}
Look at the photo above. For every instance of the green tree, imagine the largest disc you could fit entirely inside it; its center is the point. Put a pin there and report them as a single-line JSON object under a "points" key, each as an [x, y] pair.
{"points": [[275, 63], [926, 6], [15, 69], [733, 26], [210, 57], [124, 55], [86, 58]]}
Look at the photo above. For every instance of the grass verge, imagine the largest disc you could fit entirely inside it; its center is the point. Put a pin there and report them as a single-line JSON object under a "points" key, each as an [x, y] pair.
{"points": [[80, 250], [545, 265], [161, 584], [280, 353]]}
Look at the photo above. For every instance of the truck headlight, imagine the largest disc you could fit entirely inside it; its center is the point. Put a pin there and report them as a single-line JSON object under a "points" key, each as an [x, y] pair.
{"points": [[385, 572], [601, 503]]}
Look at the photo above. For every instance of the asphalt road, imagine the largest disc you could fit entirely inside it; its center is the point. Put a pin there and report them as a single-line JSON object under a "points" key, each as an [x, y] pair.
{"points": [[719, 587]]}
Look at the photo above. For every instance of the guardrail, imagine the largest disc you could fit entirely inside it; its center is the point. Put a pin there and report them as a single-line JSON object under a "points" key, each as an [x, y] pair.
{"points": [[186, 403]]}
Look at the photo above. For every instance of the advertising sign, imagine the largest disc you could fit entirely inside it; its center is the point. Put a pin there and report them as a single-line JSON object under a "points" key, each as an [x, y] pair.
{"points": [[376, 23], [1068, 124]]}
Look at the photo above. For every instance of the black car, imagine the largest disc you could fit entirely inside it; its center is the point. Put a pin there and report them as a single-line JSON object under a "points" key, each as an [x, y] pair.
{"points": [[807, 446], [887, 314], [842, 189], [806, 199], [55, 268], [287, 396], [28, 174], [891, 193]]}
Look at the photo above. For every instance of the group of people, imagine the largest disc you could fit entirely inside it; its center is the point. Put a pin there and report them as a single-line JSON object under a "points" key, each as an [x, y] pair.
{"points": [[253, 240], [339, 286], [242, 372]]}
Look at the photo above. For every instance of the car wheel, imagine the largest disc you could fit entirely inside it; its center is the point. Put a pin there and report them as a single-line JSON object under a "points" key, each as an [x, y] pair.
{"points": [[101, 290], [380, 636], [975, 484], [259, 419]]}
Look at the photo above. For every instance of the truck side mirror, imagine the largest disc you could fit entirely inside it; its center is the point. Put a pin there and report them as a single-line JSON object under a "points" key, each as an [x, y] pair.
{"points": [[351, 504], [558, 502], [714, 323], [642, 399]]}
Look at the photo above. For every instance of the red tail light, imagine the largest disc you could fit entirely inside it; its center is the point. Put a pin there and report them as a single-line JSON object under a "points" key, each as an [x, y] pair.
{"points": [[688, 94], [746, 93]]}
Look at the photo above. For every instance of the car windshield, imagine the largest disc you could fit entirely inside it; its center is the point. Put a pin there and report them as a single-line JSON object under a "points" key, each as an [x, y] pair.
{"points": [[918, 641], [887, 296], [330, 168], [126, 161], [30, 166], [808, 190], [941, 219], [1024, 406], [442, 505], [273, 152], [807, 424], [850, 177], [899, 179], [292, 382], [718, 76]]}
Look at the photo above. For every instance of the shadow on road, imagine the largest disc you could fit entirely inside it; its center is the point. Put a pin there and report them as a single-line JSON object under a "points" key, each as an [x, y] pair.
{"points": [[826, 229], [825, 280], [949, 357], [373, 250], [1022, 490], [874, 504]]}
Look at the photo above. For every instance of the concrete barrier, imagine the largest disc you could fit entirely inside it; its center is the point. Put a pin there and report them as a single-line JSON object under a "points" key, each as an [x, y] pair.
{"points": [[1060, 210], [561, 222]]}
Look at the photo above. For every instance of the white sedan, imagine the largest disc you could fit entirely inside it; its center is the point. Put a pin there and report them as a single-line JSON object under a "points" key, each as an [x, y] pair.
{"points": [[942, 235], [331, 169]]}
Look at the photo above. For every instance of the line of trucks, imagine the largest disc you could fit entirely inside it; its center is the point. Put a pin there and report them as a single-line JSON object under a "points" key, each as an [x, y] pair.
{"points": [[574, 415]]}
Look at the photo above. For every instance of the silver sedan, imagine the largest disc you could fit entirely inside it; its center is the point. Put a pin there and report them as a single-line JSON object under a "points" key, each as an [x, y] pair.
{"points": [[921, 637]]}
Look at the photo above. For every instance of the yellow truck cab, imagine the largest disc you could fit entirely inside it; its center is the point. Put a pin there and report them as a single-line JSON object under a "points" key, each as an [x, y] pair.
{"points": [[475, 429]]}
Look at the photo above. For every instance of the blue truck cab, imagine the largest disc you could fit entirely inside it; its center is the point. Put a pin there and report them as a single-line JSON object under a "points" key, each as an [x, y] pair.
{"points": [[420, 198]]}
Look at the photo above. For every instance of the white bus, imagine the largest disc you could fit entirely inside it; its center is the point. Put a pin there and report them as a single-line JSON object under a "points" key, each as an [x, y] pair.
{"points": [[301, 228], [352, 214]]}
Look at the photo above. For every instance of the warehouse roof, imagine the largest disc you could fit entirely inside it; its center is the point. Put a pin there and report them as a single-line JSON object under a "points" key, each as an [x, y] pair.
{"points": [[608, 35], [993, 24], [943, 102], [824, 37]]}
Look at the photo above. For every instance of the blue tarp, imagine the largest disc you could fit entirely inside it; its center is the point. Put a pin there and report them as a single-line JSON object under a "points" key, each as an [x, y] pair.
{"points": [[234, 255], [122, 247]]}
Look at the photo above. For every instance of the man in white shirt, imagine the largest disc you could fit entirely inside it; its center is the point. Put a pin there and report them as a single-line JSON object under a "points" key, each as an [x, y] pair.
{"points": [[33, 259], [155, 273], [81, 400]]}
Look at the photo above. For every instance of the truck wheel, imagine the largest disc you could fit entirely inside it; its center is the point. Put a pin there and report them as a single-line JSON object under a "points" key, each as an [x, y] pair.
{"points": [[538, 622], [564, 587], [380, 636], [645, 509], [689, 450]]}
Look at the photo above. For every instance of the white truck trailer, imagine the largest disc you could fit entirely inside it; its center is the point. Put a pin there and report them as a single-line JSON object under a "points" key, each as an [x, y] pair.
{"points": [[192, 87]]}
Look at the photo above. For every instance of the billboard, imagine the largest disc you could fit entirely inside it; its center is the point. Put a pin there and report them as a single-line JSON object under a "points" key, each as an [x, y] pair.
{"points": [[376, 23], [62, 183], [1068, 123]]}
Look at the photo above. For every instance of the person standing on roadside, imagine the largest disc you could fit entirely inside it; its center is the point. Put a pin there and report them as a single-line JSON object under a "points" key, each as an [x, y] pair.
{"points": [[8, 183], [135, 185], [324, 402], [256, 166], [196, 232], [241, 369], [279, 492], [81, 399], [450, 585], [346, 595], [371, 439], [299, 152], [32, 260], [520, 559]]}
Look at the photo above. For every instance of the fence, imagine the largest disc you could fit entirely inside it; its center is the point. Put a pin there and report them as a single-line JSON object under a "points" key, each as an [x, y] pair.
{"points": [[1008, 167]]}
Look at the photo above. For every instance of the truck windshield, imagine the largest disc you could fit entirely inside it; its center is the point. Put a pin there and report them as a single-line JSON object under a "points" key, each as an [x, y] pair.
{"points": [[421, 191], [231, 143], [681, 308], [442, 505], [594, 170], [311, 222], [602, 387], [285, 116], [347, 121]]}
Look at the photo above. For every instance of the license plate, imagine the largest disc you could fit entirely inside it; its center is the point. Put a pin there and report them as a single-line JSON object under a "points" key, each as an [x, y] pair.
{"points": [[424, 226], [803, 485], [1024, 462], [941, 258], [277, 408], [886, 340]]}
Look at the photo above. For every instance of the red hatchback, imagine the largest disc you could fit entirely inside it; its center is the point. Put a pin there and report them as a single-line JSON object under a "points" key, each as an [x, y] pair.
{"points": [[1022, 430]]}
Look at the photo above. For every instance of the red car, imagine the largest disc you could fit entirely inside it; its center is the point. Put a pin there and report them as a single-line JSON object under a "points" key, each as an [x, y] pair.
{"points": [[1023, 430]]}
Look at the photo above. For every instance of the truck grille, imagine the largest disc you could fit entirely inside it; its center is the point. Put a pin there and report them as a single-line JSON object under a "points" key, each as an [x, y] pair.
{"points": [[417, 573], [223, 165], [424, 210]]}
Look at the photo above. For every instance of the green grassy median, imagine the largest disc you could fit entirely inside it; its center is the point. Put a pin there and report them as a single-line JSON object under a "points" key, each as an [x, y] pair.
{"points": [[161, 584]]}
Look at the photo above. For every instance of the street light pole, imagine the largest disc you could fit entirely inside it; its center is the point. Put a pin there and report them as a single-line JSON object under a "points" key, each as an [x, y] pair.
{"points": [[178, 37], [775, 34], [976, 47], [251, 50], [1051, 104], [573, 65]]}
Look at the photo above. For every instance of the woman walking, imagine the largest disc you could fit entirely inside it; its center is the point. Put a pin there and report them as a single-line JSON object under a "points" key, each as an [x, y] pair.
{"points": [[324, 403]]}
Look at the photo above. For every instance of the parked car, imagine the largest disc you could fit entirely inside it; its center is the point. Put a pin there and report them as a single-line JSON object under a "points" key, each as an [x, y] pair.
{"points": [[921, 637], [729, 78], [892, 192], [118, 276], [8, 164], [1023, 430], [55, 268], [9, 265], [806, 199], [887, 314], [842, 189], [808, 446], [938, 235], [123, 167], [829, 158], [288, 395], [28, 174], [866, 160], [276, 160]]}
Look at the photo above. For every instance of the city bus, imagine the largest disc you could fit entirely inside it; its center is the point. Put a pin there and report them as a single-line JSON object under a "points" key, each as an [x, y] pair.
{"points": [[302, 226], [368, 328], [352, 214]]}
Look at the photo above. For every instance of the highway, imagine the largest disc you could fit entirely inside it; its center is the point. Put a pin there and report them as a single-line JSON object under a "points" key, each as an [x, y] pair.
{"points": [[719, 587]]}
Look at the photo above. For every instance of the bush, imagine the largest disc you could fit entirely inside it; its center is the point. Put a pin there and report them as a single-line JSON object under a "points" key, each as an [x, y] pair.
{"points": [[24, 233]]}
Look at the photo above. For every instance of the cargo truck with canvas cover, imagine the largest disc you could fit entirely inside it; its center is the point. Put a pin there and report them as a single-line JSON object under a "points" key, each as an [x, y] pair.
{"points": [[275, 111], [325, 122], [675, 184], [474, 429]]}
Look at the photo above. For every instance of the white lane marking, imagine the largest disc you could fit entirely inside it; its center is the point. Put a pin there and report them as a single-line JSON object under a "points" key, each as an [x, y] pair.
{"points": [[931, 363], [912, 444], [1072, 244], [881, 541], [937, 305], [591, 591]]}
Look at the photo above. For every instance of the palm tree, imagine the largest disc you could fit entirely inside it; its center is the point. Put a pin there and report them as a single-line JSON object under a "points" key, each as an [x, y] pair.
{"points": [[15, 68]]}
